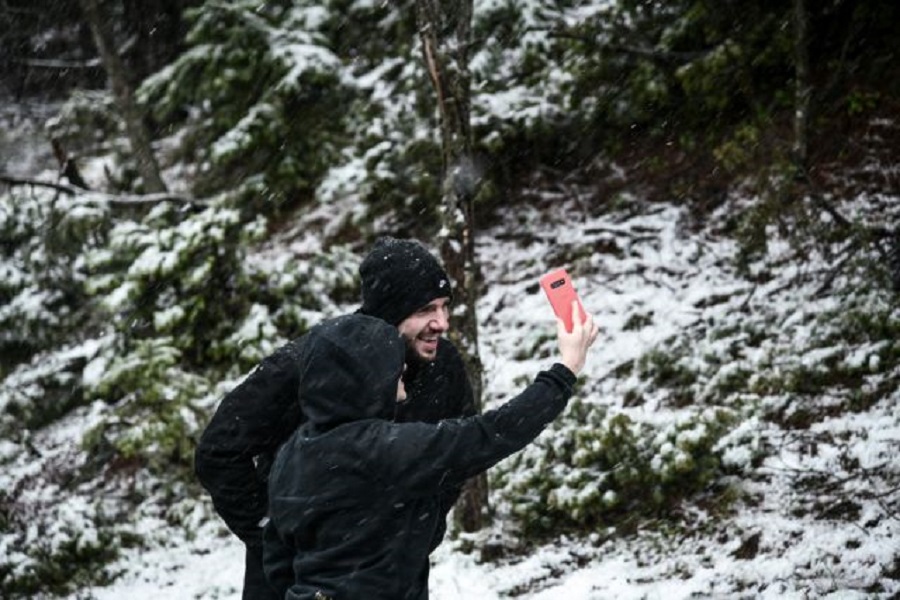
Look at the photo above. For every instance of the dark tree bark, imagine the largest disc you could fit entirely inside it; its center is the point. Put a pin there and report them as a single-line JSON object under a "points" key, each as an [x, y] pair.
{"points": [[444, 30], [138, 135], [803, 87]]}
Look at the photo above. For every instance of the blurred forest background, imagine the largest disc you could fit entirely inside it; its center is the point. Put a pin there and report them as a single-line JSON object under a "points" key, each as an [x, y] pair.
{"points": [[183, 140]]}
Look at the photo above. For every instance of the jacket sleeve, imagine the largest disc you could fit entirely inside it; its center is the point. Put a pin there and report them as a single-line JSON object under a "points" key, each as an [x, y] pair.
{"points": [[421, 459], [235, 450]]}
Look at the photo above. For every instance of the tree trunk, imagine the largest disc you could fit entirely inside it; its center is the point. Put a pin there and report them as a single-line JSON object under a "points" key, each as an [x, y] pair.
{"points": [[444, 30], [138, 135], [158, 30], [803, 87]]}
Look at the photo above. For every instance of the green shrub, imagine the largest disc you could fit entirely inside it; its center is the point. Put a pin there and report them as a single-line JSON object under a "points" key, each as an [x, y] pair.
{"points": [[665, 369], [42, 296], [59, 556], [611, 471]]}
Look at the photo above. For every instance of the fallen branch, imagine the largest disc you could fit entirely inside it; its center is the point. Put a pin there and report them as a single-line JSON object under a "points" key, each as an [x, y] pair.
{"points": [[60, 187], [114, 199]]}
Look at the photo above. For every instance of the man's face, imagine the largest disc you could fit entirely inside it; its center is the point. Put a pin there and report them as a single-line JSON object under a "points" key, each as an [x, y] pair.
{"points": [[423, 328]]}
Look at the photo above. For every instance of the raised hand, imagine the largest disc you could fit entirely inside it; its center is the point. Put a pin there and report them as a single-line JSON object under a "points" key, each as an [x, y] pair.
{"points": [[573, 346]]}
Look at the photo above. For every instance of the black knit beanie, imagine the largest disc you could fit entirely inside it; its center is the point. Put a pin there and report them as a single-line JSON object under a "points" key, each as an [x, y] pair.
{"points": [[399, 277]]}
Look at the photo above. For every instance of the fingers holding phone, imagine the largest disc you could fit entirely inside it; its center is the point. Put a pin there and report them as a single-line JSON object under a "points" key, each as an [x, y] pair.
{"points": [[574, 344]]}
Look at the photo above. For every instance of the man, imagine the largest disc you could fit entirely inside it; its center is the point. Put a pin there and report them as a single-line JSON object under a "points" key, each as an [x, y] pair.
{"points": [[354, 498], [402, 284]]}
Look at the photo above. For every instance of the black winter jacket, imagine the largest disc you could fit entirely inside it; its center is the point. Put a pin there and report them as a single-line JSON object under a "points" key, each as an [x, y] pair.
{"points": [[354, 497], [236, 449]]}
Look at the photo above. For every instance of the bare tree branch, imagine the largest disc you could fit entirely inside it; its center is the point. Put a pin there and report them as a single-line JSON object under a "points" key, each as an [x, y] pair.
{"points": [[46, 63], [656, 55]]}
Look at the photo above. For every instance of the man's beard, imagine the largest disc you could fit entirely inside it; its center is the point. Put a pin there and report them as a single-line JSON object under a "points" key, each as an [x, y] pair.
{"points": [[414, 360]]}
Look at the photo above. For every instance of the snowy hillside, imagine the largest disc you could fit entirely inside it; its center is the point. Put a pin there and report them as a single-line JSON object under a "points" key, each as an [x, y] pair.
{"points": [[720, 180]]}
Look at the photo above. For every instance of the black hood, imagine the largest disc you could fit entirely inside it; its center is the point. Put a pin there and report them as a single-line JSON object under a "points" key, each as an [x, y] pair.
{"points": [[349, 370]]}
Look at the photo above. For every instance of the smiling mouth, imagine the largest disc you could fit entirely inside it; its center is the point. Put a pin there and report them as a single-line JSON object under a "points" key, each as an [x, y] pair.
{"points": [[429, 341]]}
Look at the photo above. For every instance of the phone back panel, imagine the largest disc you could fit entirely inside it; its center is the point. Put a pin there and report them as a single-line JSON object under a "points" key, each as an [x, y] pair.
{"points": [[558, 286]]}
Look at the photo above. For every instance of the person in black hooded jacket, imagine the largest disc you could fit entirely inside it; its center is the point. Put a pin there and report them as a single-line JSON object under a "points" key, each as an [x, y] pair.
{"points": [[402, 284], [354, 496]]}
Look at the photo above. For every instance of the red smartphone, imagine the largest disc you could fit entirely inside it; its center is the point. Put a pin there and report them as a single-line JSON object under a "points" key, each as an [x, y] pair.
{"points": [[558, 287]]}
